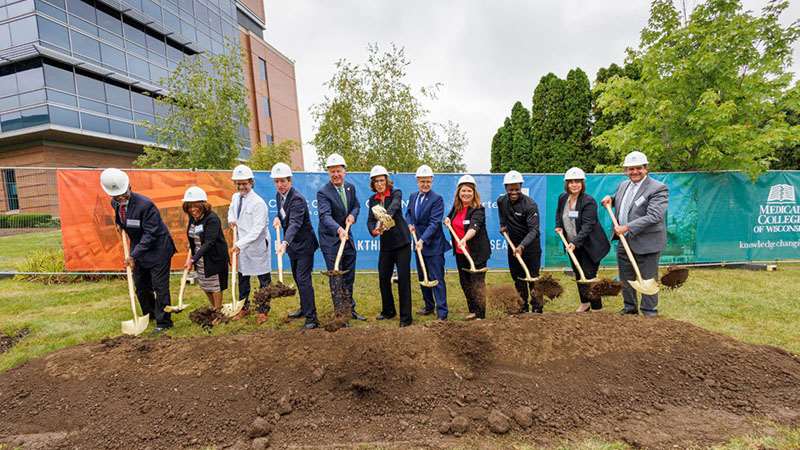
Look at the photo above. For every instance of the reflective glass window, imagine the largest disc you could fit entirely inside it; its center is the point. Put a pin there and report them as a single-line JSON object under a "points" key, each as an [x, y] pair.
{"points": [[138, 67], [111, 37], [92, 105], [151, 9], [156, 44], [83, 9], [83, 25], [60, 97], [94, 123], [90, 87], [65, 117], [123, 129], [10, 102], [59, 77], [5, 36], [84, 45], [109, 20], [171, 22], [51, 10], [133, 32], [23, 119], [113, 57], [117, 95], [142, 103], [120, 112], [8, 80], [22, 31], [186, 5], [19, 8], [53, 32], [32, 98], [29, 75], [157, 73]]}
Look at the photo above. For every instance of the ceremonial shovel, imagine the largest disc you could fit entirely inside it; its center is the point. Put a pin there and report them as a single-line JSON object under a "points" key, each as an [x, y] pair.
{"points": [[646, 287]]}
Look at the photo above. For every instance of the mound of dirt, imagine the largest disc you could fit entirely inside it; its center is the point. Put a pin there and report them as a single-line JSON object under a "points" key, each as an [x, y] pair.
{"points": [[605, 288], [503, 298], [543, 378], [675, 277], [207, 317], [9, 340]]}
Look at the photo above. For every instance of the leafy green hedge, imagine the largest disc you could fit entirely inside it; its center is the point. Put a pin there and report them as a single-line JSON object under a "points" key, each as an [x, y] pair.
{"points": [[29, 221]]}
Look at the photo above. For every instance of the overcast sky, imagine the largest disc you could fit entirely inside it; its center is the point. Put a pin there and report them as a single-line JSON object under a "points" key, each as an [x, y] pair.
{"points": [[487, 54]]}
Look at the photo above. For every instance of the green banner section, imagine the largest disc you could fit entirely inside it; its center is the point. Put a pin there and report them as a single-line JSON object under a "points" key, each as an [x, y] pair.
{"points": [[712, 217]]}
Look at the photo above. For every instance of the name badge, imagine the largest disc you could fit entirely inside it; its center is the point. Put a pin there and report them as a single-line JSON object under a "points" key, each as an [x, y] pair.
{"points": [[466, 222], [639, 201], [573, 214], [133, 223], [517, 213], [198, 228]]}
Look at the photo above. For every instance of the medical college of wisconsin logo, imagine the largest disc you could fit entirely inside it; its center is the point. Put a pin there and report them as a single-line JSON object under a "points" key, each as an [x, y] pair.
{"points": [[781, 213]]}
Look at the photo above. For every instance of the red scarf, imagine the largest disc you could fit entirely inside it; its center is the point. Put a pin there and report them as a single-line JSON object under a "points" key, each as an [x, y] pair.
{"points": [[383, 196]]}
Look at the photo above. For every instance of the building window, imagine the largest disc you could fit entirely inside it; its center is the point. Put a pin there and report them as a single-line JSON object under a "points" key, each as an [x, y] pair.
{"points": [[268, 139], [265, 102], [10, 183], [262, 68]]}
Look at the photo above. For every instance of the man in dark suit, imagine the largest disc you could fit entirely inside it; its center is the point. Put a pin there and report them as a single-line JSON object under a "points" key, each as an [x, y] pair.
{"points": [[338, 205], [424, 216], [298, 240], [151, 245], [641, 206]]}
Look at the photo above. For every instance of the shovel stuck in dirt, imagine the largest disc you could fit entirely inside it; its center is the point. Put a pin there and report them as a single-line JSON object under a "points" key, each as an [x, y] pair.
{"points": [[528, 276], [336, 272], [139, 323], [582, 278], [646, 287], [425, 281], [180, 306], [236, 305], [283, 289], [471, 267]]}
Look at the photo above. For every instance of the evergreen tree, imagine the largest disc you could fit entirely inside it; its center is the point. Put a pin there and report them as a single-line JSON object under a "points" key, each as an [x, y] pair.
{"points": [[506, 141], [497, 152], [520, 138]]}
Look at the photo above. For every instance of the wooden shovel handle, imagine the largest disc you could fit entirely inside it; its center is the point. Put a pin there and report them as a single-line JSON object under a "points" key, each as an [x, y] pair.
{"points": [[129, 274], [421, 261], [341, 248], [280, 255], [519, 258], [234, 272], [183, 287], [625, 244], [571, 254], [466, 252]]}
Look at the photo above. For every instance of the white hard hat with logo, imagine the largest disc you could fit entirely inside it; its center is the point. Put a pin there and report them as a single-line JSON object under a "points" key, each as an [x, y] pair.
{"points": [[114, 182], [377, 171], [574, 173], [195, 194], [466, 179], [242, 172], [512, 177], [635, 158], [335, 159], [424, 171], [280, 170]]}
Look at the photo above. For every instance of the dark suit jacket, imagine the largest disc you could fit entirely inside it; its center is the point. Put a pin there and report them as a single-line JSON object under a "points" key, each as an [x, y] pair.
{"points": [[428, 223], [590, 236], [521, 221], [398, 236], [151, 243], [213, 247], [298, 232], [646, 216], [332, 214], [478, 246]]}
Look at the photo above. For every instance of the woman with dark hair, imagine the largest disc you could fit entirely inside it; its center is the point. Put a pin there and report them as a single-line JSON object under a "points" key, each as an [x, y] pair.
{"points": [[576, 217], [208, 248], [467, 219], [386, 220]]}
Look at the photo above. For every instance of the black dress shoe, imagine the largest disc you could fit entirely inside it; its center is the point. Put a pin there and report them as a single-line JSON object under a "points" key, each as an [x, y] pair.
{"points": [[405, 324], [310, 325], [357, 316], [425, 312], [296, 314], [625, 311], [382, 317]]}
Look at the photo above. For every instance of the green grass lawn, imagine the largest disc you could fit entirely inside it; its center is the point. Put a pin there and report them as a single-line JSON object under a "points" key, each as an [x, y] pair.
{"points": [[14, 249]]}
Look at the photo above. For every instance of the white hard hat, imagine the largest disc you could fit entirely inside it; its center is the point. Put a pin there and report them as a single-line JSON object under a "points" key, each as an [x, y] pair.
{"points": [[635, 158], [335, 159], [466, 179], [424, 171], [195, 194], [114, 182], [574, 173], [513, 177], [378, 170], [280, 170], [242, 172]]}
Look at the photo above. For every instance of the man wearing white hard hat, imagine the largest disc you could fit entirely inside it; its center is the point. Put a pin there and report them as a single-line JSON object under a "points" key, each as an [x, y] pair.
{"points": [[338, 205], [519, 217], [424, 216], [208, 249], [641, 206], [151, 245], [298, 240], [576, 219], [248, 213]]}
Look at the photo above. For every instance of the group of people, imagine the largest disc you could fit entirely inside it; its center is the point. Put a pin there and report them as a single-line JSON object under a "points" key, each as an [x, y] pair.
{"points": [[640, 204]]}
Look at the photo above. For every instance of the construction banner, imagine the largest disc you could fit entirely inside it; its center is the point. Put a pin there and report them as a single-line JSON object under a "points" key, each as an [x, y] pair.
{"points": [[712, 217]]}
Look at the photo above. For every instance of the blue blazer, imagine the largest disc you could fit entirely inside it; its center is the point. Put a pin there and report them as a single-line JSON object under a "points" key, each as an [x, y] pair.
{"points": [[429, 222], [297, 229], [151, 243], [332, 214]]}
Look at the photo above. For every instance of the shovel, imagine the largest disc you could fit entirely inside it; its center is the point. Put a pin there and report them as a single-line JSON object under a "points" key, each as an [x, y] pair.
{"points": [[528, 276], [646, 287], [425, 282], [233, 308], [471, 267], [336, 272], [582, 278], [278, 252], [180, 307], [139, 323]]}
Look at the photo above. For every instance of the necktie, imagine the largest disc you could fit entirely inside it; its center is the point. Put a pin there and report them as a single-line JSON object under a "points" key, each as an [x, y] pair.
{"points": [[122, 212], [420, 199], [239, 208], [282, 211], [626, 204], [342, 196]]}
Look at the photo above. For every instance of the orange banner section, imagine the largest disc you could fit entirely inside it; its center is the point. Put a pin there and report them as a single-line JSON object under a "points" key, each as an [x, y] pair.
{"points": [[87, 218]]}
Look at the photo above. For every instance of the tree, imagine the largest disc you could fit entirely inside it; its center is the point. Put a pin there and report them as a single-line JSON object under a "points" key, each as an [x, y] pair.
{"points": [[520, 138], [374, 116], [497, 152], [712, 92], [604, 120], [264, 157], [507, 145], [206, 108]]}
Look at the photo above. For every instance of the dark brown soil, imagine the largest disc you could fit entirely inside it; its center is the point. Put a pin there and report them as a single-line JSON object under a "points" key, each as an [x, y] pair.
{"points": [[605, 288], [263, 297], [675, 277], [207, 317], [653, 383], [548, 286], [9, 340], [503, 298]]}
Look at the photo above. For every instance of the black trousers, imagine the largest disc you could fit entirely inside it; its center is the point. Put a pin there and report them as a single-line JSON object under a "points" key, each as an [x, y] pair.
{"points": [[387, 261], [532, 260], [590, 271], [302, 267], [152, 290], [244, 289], [473, 285]]}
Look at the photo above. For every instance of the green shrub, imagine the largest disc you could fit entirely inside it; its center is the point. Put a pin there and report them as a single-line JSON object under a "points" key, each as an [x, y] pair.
{"points": [[29, 221], [47, 262]]}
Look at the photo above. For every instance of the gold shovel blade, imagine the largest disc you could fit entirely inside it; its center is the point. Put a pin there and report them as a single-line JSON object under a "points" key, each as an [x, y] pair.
{"points": [[135, 327], [176, 308], [430, 283], [529, 280], [232, 309], [589, 281], [646, 287]]}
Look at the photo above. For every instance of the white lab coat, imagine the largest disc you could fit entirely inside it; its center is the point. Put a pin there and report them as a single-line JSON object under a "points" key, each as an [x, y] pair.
{"points": [[253, 234]]}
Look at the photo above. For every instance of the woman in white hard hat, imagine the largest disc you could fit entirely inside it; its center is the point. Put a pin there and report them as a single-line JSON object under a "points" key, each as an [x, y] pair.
{"points": [[395, 251], [467, 217], [208, 250], [576, 218]]}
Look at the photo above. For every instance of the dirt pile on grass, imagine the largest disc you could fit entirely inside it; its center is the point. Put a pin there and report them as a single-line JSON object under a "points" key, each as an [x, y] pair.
{"points": [[9, 340], [652, 383]]}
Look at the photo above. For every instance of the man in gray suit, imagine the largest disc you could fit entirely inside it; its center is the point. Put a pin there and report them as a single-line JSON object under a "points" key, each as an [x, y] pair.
{"points": [[641, 206]]}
